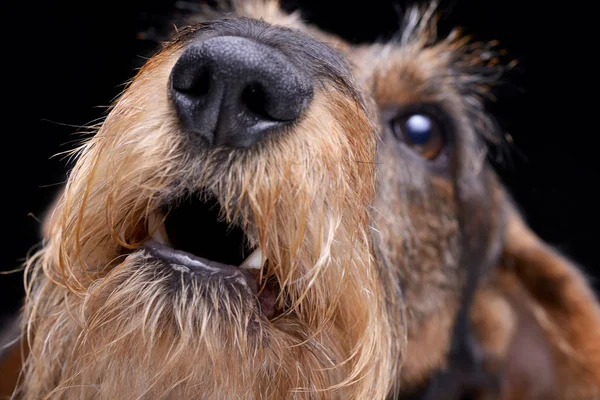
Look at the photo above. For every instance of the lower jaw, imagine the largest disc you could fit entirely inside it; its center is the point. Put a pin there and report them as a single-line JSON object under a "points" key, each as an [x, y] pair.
{"points": [[240, 278]]}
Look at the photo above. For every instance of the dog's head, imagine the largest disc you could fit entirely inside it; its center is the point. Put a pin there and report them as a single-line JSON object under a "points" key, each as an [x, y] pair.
{"points": [[214, 231]]}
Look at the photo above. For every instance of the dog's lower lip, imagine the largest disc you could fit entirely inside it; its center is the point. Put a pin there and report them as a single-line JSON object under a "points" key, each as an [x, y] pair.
{"points": [[186, 262], [193, 263], [183, 261]]}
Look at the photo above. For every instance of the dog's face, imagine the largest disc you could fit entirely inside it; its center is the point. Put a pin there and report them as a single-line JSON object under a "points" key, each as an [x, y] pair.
{"points": [[215, 228], [268, 211]]}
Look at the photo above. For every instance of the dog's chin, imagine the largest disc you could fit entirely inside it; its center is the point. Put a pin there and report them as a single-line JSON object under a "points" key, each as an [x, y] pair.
{"points": [[191, 240]]}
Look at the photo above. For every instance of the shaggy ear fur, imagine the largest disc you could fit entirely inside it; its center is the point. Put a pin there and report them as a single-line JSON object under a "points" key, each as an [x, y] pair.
{"points": [[539, 319]]}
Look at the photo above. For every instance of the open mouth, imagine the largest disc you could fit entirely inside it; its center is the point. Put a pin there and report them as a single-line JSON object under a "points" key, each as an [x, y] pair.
{"points": [[192, 237]]}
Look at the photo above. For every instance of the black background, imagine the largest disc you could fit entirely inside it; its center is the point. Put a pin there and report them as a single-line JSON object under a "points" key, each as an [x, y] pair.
{"points": [[64, 61]]}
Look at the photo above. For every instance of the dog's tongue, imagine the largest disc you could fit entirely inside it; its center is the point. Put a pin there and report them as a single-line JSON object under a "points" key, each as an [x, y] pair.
{"points": [[267, 299]]}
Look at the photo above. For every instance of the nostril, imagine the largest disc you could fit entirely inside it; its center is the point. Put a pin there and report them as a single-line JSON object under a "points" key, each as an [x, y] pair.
{"points": [[254, 99], [194, 84]]}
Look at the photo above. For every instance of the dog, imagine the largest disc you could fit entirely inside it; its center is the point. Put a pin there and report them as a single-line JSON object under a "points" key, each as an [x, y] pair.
{"points": [[270, 212]]}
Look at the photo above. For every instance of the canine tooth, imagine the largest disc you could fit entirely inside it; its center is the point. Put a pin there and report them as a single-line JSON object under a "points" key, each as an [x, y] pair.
{"points": [[254, 260], [156, 225]]}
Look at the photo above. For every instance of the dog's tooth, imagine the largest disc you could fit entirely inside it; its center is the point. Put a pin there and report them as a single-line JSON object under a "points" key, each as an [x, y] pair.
{"points": [[254, 260], [156, 225]]}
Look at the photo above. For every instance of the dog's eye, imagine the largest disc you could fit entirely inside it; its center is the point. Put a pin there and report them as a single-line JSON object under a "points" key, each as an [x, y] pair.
{"points": [[421, 132]]}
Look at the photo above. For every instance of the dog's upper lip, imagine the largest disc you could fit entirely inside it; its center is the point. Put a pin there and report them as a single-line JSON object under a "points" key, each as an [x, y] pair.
{"points": [[198, 264]]}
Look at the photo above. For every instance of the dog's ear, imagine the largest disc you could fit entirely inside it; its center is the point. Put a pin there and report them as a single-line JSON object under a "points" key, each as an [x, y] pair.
{"points": [[538, 310]]}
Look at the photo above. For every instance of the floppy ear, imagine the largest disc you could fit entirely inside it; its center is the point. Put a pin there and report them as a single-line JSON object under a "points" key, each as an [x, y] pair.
{"points": [[537, 314]]}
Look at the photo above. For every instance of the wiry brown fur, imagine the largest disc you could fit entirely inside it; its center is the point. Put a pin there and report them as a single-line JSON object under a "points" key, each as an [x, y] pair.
{"points": [[366, 240]]}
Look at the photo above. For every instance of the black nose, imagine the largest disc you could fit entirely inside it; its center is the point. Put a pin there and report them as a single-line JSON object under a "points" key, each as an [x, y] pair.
{"points": [[231, 91]]}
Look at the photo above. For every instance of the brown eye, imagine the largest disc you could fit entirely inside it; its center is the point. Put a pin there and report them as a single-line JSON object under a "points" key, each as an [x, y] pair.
{"points": [[421, 132]]}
